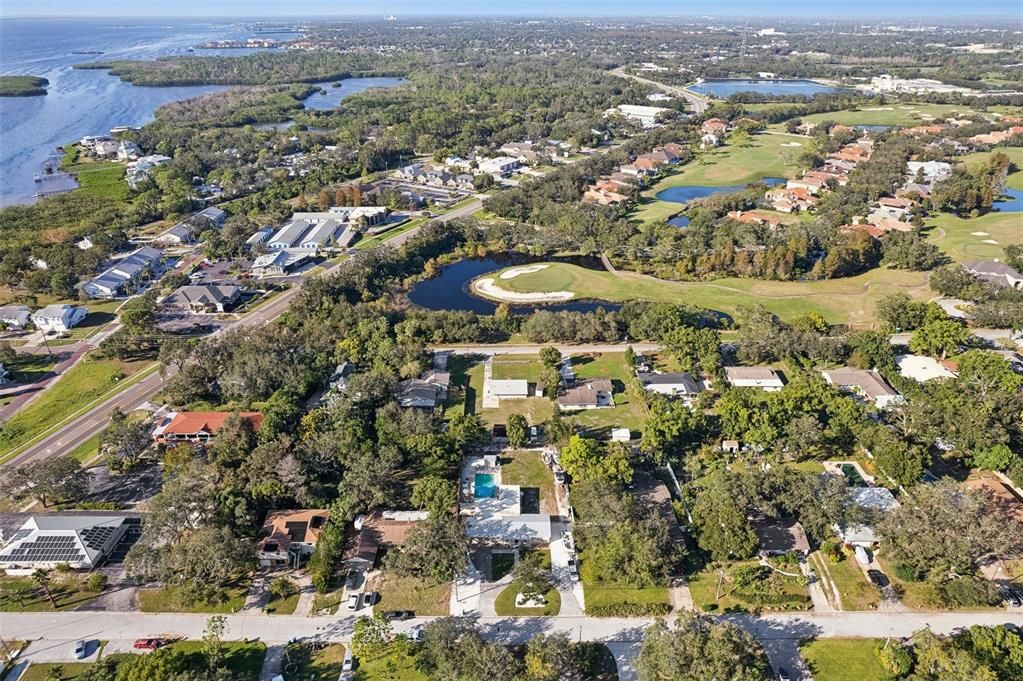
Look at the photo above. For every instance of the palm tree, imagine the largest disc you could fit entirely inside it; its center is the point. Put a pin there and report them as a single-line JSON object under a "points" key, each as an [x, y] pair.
{"points": [[42, 578]]}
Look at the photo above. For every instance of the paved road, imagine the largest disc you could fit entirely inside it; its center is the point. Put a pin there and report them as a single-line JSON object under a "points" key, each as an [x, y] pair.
{"points": [[698, 103], [991, 335], [583, 348], [69, 626]]}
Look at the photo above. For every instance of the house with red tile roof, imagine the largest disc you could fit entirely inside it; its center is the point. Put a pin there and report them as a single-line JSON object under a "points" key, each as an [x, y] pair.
{"points": [[714, 126], [198, 427]]}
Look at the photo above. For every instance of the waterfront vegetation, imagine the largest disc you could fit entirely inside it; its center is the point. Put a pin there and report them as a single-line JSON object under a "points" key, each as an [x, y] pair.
{"points": [[22, 86]]}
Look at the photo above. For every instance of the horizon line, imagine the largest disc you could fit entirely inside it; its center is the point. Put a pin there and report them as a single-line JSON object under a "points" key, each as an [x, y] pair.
{"points": [[552, 15]]}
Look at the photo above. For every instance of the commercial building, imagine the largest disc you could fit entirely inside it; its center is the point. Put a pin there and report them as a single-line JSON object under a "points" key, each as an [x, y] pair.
{"points": [[81, 540]]}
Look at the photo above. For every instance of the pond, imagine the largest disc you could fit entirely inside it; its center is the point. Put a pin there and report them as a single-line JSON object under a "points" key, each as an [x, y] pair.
{"points": [[1013, 203], [449, 290], [726, 87], [687, 193], [332, 96], [679, 221]]}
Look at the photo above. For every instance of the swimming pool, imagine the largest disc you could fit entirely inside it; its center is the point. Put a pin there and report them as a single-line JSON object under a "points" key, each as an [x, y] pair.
{"points": [[484, 487]]}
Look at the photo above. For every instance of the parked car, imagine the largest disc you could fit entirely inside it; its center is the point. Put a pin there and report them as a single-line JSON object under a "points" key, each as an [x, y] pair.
{"points": [[878, 578], [353, 601], [560, 477], [1013, 598], [569, 541], [349, 663], [369, 598], [353, 579], [862, 556], [398, 615], [148, 643], [783, 674], [79, 650], [415, 634]]}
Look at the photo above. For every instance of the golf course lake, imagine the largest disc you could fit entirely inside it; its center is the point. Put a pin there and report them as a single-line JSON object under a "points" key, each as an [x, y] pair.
{"points": [[1013, 202], [726, 87], [687, 193], [449, 290]]}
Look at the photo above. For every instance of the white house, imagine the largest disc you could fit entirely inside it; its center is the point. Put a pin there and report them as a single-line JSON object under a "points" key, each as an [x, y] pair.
{"points": [[14, 316], [502, 166], [139, 170], [58, 318], [177, 235], [764, 378], [994, 272], [127, 151], [277, 263], [933, 171], [874, 502], [922, 368]]}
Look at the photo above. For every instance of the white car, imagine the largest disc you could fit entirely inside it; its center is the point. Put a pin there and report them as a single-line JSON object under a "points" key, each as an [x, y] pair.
{"points": [[79, 650], [349, 663], [353, 601]]}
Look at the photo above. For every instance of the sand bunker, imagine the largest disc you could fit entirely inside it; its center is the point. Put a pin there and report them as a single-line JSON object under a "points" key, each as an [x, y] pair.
{"points": [[489, 288], [880, 108], [516, 271], [792, 144], [990, 241], [979, 234]]}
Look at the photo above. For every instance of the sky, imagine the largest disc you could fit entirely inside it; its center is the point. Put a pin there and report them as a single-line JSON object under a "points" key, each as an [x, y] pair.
{"points": [[821, 9]]}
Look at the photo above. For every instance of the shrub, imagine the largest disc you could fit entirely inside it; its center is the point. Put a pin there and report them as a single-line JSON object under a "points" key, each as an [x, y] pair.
{"points": [[709, 607], [895, 659], [965, 592], [907, 573], [96, 582], [629, 610], [282, 587]]}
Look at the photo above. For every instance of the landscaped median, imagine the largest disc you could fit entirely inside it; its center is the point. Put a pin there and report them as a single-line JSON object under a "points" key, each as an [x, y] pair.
{"points": [[84, 386]]}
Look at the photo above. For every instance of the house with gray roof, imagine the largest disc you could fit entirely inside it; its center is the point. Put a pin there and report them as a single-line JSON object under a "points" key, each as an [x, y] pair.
{"points": [[126, 275], [680, 385], [994, 272], [204, 298], [14, 316], [81, 540]]}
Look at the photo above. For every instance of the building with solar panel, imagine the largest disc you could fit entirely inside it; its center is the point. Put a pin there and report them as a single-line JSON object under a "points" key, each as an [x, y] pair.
{"points": [[81, 541]]}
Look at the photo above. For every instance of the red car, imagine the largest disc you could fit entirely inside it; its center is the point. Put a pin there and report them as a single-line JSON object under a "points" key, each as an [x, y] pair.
{"points": [[148, 643]]}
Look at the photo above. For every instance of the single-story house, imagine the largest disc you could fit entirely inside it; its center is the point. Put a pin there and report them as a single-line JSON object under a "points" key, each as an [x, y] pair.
{"points": [[673, 385], [654, 494], [922, 368], [58, 318], [590, 394], [764, 378], [205, 298], [212, 215], [994, 272], [875, 502], [509, 389], [378, 529], [82, 540], [714, 126], [180, 233], [198, 427], [780, 535], [14, 316], [424, 393], [286, 536], [868, 385]]}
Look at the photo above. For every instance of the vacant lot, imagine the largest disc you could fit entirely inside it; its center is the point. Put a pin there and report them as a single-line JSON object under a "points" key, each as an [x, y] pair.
{"points": [[774, 592], [848, 659], [850, 300], [603, 594], [100, 178], [170, 599], [856, 592], [409, 593], [23, 594]]}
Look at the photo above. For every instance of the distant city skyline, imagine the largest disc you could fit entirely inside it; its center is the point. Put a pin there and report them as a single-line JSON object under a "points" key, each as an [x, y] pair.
{"points": [[923, 10]]}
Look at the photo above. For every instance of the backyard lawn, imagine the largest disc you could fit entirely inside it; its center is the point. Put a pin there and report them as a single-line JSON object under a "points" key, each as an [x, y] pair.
{"points": [[856, 592], [843, 659], [169, 599], [389, 666], [629, 410], [411, 593], [87, 381], [848, 300], [526, 469], [467, 372]]}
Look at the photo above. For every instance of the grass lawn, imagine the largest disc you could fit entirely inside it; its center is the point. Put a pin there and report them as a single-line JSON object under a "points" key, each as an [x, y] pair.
{"points": [[41, 671], [100, 178], [304, 664], [380, 669], [602, 594], [504, 606], [408, 593], [86, 450], [849, 300], [1015, 154], [87, 381], [512, 367], [856, 592], [704, 587], [843, 659], [30, 368], [386, 235], [889, 114], [242, 658], [965, 238], [328, 601], [468, 374], [169, 599], [67, 589], [526, 469], [284, 606]]}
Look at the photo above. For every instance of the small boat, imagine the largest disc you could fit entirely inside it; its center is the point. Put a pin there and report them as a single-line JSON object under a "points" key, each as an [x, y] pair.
{"points": [[38, 178]]}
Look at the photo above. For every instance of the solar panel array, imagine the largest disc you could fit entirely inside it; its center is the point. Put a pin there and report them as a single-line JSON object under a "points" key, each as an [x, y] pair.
{"points": [[97, 537], [60, 549]]}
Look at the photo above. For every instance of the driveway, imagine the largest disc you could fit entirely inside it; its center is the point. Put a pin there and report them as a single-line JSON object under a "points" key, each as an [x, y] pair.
{"points": [[572, 599]]}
